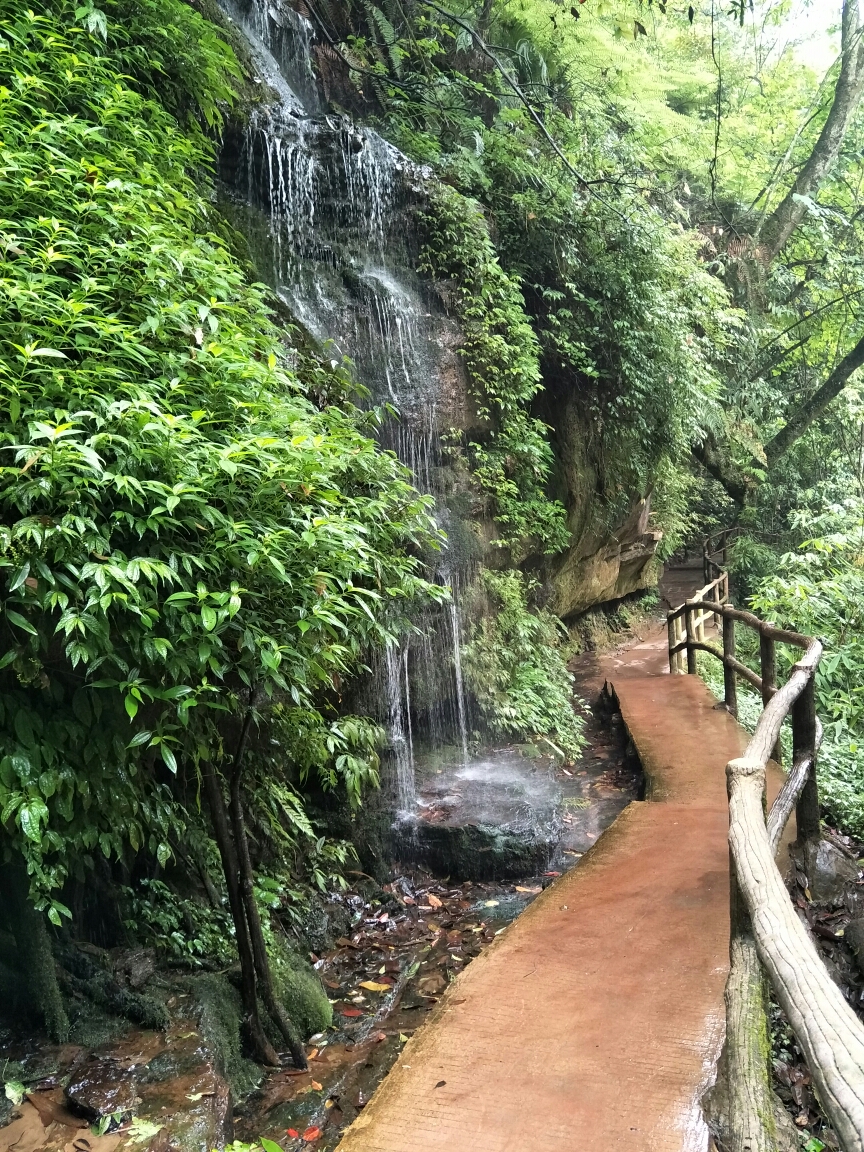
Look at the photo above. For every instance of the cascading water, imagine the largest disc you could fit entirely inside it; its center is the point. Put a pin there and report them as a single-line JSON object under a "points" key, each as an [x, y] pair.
{"points": [[325, 206], [460, 684], [399, 724]]}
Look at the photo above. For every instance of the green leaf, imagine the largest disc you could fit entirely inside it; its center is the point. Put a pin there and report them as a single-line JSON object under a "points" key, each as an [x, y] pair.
{"points": [[269, 1145], [20, 576], [131, 706], [169, 758], [31, 815], [14, 1090], [163, 853], [24, 729], [18, 620], [52, 352], [208, 618], [140, 738]]}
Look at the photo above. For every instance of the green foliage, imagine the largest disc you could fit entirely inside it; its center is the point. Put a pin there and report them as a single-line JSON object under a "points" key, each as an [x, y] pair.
{"points": [[188, 527], [820, 589], [750, 563], [182, 928], [516, 667], [513, 460]]}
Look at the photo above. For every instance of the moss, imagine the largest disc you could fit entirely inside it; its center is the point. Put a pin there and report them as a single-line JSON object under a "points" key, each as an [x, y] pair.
{"points": [[35, 957], [219, 1015], [300, 990]]}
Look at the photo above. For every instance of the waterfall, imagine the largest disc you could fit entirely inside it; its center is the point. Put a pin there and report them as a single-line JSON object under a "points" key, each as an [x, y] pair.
{"points": [[457, 668], [399, 725], [327, 207]]}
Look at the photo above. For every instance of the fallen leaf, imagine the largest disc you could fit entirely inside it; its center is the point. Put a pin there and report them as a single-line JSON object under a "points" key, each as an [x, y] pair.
{"points": [[332, 983], [403, 1039], [491, 903], [379, 1036], [317, 1086], [533, 891], [293, 1133], [373, 986], [329, 1103], [440, 1083], [551, 873], [350, 1011], [311, 1134], [311, 1055], [434, 901]]}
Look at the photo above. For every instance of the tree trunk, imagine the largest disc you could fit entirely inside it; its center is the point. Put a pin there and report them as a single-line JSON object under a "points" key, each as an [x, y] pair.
{"points": [[811, 409], [716, 459], [34, 950], [786, 217], [263, 1050], [259, 948]]}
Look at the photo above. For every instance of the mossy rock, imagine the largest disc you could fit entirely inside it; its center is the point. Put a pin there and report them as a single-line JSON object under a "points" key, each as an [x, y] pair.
{"points": [[299, 989], [219, 1015]]}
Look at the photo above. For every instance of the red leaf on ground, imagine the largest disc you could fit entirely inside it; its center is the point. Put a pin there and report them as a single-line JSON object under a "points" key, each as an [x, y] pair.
{"points": [[311, 1134], [551, 873], [350, 1012], [293, 1133]]}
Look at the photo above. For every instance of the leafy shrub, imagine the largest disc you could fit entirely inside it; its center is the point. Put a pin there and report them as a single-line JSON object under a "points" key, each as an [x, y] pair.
{"points": [[516, 667], [193, 519], [819, 590]]}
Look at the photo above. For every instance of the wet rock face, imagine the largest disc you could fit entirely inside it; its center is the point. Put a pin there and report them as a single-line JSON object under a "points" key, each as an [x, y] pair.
{"points": [[828, 871], [167, 1080], [101, 1086], [493, 818]]}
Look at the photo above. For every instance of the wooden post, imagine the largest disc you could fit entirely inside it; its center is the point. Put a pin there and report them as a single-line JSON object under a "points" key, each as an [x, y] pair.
{"points": [[691, 637], [804, 743], [730, 684], [682, 635], [768, 663], [670, 633]]}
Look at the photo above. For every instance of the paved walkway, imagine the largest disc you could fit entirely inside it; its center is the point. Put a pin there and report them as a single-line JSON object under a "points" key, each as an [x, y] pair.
{"points": [[596, 1019]]}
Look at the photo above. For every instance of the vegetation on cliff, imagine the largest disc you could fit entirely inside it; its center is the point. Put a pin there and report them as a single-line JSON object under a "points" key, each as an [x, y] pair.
{"points": [[652, 254]]}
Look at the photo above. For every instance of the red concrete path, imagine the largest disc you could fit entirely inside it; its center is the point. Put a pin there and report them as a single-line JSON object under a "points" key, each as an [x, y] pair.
{"points": [[596, 1019]]}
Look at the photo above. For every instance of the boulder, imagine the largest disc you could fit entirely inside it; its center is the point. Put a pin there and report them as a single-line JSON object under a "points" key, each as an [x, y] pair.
{"points": [[828, 871]]}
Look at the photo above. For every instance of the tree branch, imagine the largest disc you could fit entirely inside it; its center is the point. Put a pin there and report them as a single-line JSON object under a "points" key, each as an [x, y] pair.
{"points": [[718, 462], [803, 417], [847, 96]]}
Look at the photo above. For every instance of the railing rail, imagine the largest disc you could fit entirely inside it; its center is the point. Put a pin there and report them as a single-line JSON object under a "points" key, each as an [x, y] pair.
{"points": [[764, 920]]}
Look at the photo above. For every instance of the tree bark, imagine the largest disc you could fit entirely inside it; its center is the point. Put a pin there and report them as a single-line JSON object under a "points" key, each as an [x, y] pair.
{"points": [[717, 461], [263, 1050], [34, 949], [789, 213], [259, 948]]}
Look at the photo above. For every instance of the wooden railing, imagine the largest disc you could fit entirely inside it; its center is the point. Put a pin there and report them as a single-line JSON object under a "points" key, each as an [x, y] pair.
{"points": [[765, 925]]}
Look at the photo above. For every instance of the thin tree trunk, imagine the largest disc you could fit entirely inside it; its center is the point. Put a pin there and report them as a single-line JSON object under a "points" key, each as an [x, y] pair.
{"points": [[786, 217], [259, 948], [263, 1050], [717, 461], [811, 409]]}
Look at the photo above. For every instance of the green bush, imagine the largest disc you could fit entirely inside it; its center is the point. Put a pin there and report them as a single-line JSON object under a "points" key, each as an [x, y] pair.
{"points": [[516, 667]]}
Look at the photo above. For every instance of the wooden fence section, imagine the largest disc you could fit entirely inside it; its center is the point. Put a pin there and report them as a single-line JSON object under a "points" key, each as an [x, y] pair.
{"points": [[830, 1034]]}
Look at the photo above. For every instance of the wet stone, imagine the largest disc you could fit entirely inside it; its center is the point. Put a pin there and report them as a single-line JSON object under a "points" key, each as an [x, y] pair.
{"points": [[828, 871], [100, 1086]]}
